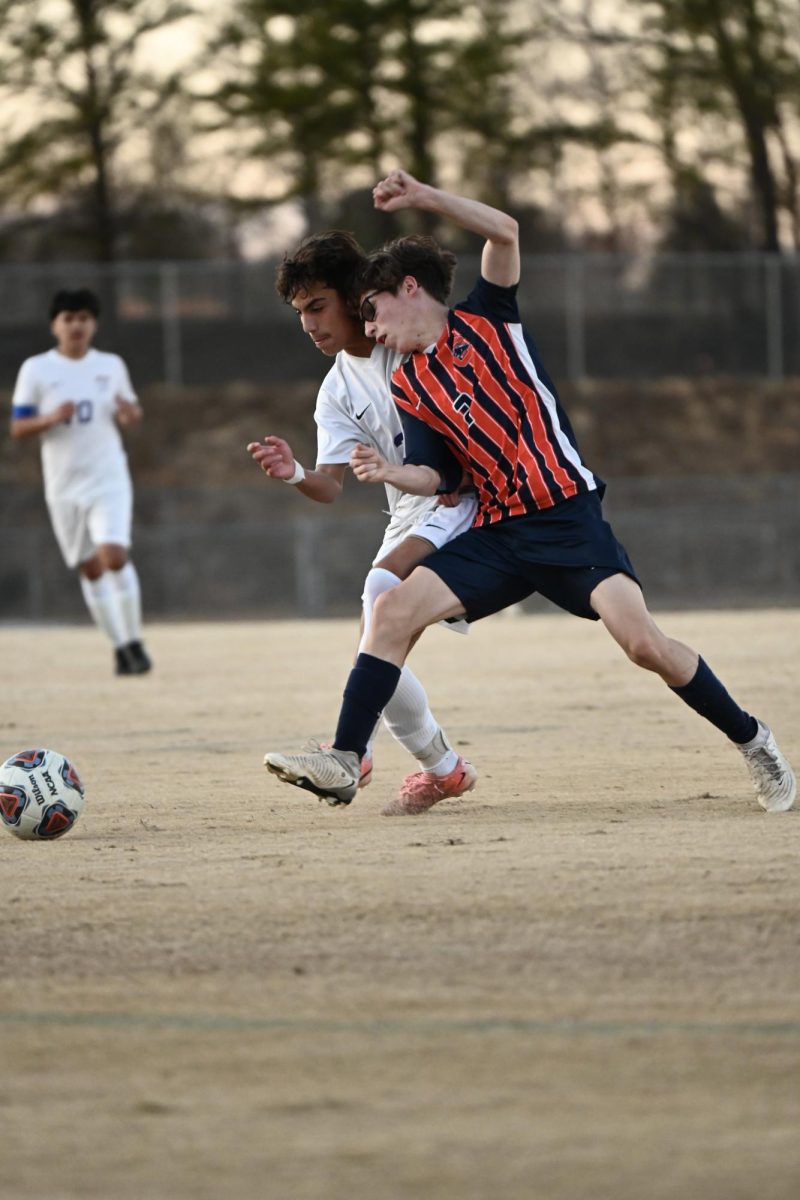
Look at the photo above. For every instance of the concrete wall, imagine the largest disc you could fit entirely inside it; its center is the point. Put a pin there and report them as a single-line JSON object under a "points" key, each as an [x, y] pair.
{"points": [[228, 552]]}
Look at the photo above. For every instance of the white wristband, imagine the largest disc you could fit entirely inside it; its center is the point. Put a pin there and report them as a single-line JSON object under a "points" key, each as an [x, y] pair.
{"points": [[299, 474]]}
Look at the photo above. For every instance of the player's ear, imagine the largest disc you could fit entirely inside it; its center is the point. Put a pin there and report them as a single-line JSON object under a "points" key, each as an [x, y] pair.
{"points": [[409, 285]]}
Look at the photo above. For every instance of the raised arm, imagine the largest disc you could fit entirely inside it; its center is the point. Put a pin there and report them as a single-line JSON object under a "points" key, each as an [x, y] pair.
{"points": [[500, 262]]}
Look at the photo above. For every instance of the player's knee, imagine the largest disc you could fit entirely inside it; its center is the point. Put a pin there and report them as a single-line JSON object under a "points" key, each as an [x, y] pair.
{"points": [[392, 612], [643, 649], [377, 582], [91, 569], [113, 558]]}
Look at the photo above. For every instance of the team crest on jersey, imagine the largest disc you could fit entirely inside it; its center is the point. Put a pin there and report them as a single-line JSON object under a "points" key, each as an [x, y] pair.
{"points": [[461, 350], [102, 381]]}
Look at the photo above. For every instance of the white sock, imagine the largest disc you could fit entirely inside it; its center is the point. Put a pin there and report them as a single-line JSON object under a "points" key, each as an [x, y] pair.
{"points": [[438, 757], [103, 604], [126, 584], [407, 715]]}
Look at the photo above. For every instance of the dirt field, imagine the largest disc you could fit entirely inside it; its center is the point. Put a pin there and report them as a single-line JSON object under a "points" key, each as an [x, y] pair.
{"points": [[581, 982]]}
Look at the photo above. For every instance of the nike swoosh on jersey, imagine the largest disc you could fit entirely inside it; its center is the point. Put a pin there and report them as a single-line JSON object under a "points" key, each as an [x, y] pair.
{"points": [[360, 415]]}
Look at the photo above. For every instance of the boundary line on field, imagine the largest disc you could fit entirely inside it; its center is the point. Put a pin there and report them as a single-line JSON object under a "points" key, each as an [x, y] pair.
{"points": [[430, 1027]]}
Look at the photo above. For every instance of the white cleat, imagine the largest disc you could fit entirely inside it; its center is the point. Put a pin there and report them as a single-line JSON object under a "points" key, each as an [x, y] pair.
{"points": [[333, 775], [773, 778]]}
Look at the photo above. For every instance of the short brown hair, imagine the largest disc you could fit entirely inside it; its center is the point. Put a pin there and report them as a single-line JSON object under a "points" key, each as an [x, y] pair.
{"points": [[419, 256], [333, 259]]}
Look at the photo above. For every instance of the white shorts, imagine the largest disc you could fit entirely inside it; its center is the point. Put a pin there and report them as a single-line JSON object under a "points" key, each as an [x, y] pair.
{"points": [[423, 517], [81, 526]]}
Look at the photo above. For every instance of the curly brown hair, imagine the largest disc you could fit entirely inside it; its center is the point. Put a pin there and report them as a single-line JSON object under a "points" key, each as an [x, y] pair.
{"points": [[334, 259]]}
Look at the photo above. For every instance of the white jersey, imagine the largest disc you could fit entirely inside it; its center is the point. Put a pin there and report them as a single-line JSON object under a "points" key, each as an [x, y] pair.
{"points": [[355, 405], [83, 456]]}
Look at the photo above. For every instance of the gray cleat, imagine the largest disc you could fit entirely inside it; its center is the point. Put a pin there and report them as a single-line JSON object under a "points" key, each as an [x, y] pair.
{"points": [[333, 775], [773, 778]]}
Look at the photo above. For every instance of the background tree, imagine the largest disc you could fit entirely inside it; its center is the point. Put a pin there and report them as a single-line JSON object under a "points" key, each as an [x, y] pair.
{"points": [[733, 65], [333, 94], [69, 75], [296, 84]]}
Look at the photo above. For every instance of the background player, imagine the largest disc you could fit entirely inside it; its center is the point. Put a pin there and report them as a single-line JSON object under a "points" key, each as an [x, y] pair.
{"points": [[73, 398], [475, 396], [354, 406]]}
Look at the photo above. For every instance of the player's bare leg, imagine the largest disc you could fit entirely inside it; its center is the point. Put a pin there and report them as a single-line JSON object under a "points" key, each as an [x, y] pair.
{"points": [[619, 603], [399, 615]]}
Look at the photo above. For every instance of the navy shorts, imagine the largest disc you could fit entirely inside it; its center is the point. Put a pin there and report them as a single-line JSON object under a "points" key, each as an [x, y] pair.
{"points": [[561, 552]]}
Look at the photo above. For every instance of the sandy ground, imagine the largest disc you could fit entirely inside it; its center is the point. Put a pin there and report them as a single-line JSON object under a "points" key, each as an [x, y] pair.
{"points": [[581, 981]]}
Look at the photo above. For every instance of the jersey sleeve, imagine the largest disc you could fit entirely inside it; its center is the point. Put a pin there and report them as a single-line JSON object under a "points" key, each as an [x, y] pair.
{"points": [[124, 385], [426, 448], [25, 400], [337, 433], [492, 301]]}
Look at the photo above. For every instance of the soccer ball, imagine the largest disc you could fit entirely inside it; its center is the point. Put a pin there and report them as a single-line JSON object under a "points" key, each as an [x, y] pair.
{"points": [[41, 794]]}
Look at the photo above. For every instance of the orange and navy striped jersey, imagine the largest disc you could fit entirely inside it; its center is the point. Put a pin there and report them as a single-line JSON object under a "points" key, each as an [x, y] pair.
{"points": [[483, 390]]}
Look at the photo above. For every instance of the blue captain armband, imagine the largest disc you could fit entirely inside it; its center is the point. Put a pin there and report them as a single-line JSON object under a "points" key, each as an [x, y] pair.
{"points": [[21, 411]]}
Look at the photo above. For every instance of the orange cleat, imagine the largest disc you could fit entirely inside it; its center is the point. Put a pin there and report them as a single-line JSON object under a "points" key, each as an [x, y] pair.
{"points": [[421, 791]]}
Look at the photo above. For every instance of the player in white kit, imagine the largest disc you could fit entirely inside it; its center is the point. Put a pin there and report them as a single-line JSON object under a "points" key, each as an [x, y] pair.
{"points": [[73, 397], [354, 407]]}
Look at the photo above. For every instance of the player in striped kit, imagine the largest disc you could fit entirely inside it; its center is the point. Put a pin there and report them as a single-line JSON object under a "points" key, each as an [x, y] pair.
{"points": [[73, 397], [354, 406], [476, 400]]}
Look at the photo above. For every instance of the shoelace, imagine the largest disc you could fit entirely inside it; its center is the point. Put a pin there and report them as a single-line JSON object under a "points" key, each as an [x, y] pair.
{"points": [[762, 760]]}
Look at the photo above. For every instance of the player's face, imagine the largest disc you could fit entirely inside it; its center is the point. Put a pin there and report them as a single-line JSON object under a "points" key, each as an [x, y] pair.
{"points": [[329, 323], [389, 319], [73, 332]]}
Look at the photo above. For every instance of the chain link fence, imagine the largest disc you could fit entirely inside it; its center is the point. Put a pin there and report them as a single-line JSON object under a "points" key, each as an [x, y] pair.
{"points": [[594, 316], [696, 542]]}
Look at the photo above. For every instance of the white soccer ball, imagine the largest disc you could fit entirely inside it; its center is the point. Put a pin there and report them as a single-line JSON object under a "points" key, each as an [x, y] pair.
{"points": [[41, 794]]}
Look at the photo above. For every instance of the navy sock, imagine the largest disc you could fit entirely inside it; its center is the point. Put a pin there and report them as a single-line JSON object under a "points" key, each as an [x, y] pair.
{"points": [[707, 696], [368, 690]]}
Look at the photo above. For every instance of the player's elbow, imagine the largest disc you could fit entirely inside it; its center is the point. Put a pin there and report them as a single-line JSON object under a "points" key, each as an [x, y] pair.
{"points": [[507, 232], [330, 494], [17, 430]]}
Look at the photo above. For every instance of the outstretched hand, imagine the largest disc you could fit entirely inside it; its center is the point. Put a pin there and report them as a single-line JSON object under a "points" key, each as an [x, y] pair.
{"points": [[367, 464], [398, 190], [128, 411], [274, 456]]}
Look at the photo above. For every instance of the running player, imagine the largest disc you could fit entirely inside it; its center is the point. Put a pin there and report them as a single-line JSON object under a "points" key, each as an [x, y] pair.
{"points": [[354, 406], [475, 397], [73, 398]]}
